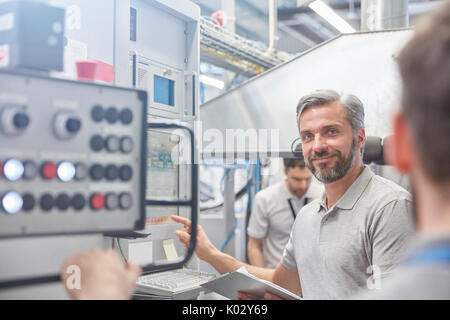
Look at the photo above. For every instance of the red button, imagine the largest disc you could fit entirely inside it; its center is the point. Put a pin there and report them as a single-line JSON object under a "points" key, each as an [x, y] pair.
{"points": [[49, 171], [97, 201], [1, 169]]}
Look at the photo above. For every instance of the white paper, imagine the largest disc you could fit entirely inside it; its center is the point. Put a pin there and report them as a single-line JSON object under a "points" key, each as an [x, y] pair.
{"points": [[170, 250], [243, 270]]}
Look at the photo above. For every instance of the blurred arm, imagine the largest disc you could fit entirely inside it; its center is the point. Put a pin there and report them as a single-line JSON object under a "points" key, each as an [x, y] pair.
{"points": [[255, 253]]}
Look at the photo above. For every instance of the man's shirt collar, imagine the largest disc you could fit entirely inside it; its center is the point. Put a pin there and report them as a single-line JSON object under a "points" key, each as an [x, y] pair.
{"points": [[351, 196]]}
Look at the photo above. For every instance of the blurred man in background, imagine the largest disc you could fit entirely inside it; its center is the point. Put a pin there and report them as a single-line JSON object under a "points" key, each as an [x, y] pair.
{"points": [[274, 212]]}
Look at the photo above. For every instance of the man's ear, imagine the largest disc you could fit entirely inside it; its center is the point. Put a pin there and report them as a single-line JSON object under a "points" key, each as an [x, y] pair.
{"points": [[399, 151], [361, 138], [285, 171]]}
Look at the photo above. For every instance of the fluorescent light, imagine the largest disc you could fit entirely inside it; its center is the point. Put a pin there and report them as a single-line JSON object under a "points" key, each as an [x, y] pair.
{"points": [[212, 82], [331, 16]]}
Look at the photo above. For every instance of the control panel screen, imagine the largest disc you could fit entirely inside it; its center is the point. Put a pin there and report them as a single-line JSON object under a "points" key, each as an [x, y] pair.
{"points": [[163, 90], [162, 174]]}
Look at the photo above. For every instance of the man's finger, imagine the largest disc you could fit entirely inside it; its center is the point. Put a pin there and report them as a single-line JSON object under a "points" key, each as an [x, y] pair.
{"points": [[183, 236], [182, 220]]}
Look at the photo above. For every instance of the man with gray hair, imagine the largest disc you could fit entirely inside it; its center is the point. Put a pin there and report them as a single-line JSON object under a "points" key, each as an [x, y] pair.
{"points": [[355, 235], [352, 237]]}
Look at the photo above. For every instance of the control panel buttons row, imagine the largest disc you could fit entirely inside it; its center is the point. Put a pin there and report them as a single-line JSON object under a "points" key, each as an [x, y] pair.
{"points": [[14, 120], [112, 144], [13, 170], [65, 171], [111, 115], [12, 202], [111, 172]]}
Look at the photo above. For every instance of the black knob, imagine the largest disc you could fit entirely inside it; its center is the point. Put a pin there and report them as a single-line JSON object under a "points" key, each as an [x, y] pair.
{"points": [[125, 173], [28, 202], [73, 125], [97, 172], [78, 202], [125, 201], [112, 115], [63, 202], [112, 201], [111, 172], [21, 120], [97, 143], [47, 202], [126, 116], [98, 113], [126, 144]]}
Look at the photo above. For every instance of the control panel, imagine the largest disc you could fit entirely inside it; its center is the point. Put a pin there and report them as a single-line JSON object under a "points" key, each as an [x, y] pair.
{"points": [[72, 156]]}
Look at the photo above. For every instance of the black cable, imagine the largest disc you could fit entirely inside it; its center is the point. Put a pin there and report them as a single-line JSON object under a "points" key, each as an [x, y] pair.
{"points": [[120, 249]]}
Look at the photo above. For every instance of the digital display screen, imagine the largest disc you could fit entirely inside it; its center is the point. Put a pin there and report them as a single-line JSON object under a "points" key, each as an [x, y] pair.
{"points": [[163, 90], [162, 174]]}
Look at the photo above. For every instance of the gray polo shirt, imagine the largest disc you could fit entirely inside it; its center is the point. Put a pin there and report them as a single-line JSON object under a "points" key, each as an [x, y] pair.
{"points": [[337, 252], [272, 218]]}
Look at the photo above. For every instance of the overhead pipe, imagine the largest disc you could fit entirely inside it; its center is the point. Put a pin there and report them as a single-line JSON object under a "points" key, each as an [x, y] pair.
{"points": [[273, 24]]}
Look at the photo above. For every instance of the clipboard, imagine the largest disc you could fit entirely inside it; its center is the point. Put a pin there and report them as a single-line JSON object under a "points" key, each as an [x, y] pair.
{"points": [[229, 284]]}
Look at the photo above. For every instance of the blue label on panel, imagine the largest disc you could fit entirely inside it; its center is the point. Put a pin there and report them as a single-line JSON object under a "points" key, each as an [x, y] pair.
{"points": [[133, 24]]}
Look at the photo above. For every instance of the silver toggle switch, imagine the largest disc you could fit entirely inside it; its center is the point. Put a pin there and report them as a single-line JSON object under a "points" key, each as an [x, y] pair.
{"points": [[66, 125]]}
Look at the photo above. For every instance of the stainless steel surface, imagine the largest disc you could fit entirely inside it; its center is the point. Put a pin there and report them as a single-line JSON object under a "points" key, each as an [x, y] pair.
{"points": [[384, 14], [360, 63]]}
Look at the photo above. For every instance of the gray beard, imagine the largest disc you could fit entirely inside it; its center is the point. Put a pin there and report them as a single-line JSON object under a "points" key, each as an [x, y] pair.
{"points": [[338, 171]]}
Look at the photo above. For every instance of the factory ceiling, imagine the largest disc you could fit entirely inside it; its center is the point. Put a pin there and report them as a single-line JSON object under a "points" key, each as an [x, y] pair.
{"points": [[299, 28]]}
